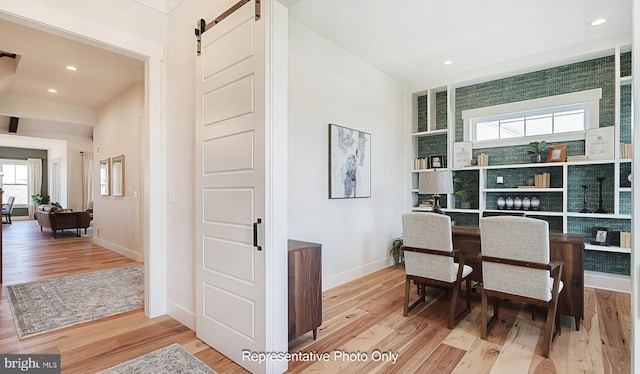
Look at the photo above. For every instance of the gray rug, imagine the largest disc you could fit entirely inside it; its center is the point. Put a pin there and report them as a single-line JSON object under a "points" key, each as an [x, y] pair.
{"points": [[43, 306], [169, 360]]}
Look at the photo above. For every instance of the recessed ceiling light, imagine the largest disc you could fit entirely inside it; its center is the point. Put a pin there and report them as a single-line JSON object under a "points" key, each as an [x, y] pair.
{"points": [[448, 62], [71, 67], [598, 21], [52, 90]]}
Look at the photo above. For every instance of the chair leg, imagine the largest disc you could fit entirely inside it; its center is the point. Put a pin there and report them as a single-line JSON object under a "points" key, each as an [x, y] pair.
{"points": [[407, 289], [452, 309], [548, 329], [483, 318], [469, 294]]}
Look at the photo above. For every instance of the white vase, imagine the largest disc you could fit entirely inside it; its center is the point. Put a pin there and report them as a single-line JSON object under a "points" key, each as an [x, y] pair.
{"points": [[509, 202], [526, 203], [517, 203], [535, 203], [500, 202]]}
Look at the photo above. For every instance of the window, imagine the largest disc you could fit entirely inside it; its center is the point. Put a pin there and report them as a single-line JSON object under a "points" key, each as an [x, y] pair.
{"points": [[14, 182], [555, 118], [565, 119]]}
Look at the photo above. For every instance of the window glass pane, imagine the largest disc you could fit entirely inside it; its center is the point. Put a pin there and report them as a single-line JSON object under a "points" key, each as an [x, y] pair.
{"points": [[9, 174], [21, 174], [539, 125], [487, 131], [17, 190], [512, 128], [568, 121]]}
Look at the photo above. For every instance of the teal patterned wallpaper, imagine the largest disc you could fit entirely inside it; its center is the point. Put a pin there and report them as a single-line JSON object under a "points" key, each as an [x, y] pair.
{"points": [[441, 110], [433, 146], [597, 73], [586, 175], [625, 113], [422, 113], [625, 64]]}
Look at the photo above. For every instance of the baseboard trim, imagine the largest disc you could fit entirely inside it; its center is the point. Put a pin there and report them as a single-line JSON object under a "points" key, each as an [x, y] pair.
{"points": [[182, 315], [118, 249], [606, 281], [349, 275]]}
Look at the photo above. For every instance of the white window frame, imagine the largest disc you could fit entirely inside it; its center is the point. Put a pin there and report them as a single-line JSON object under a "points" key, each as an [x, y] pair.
{"points": [[18, 162], [591, 98]]}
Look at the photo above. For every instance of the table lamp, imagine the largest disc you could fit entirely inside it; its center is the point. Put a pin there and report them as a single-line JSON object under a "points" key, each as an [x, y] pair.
{"points": [[436, 182]]}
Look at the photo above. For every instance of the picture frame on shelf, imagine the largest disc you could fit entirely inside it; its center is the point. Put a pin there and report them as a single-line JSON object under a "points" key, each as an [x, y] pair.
{"points": [[557, 153], [436, 162], [599, 143], [601, 236], [462, 154]]}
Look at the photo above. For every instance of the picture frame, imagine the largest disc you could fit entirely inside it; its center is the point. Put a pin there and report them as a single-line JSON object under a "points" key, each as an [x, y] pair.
{"points": [[105, 177], [349, 163], [462, 154], [557, 153], [601, 236], [599, 143], [436, 162], [117, 175]]}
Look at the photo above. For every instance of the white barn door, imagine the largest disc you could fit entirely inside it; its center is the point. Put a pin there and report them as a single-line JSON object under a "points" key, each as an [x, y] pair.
{"points": [[230, 187]]}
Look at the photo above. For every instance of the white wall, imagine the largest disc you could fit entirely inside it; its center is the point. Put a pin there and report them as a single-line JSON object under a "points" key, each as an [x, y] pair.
{"points": [[78, 139], [117, 219], [329, 85]]}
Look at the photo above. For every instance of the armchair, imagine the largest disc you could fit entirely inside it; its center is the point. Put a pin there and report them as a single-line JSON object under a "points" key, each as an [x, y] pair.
{"points": [[429, 260], [516, 265]]}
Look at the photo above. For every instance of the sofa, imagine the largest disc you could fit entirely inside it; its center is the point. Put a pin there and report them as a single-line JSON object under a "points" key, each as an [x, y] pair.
{"points": [[54, 218]]}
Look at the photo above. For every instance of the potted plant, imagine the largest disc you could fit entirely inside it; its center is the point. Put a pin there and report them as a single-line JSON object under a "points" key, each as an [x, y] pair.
{"points": [[39, 199], [536, 150], [396, 251], [465, 189]]}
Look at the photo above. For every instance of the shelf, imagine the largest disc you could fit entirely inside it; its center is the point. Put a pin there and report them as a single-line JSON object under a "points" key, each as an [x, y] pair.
{"points": [[589, 162], [528, 190], [599, 215], [625, 160], [418, 209], [604, 248], [625, 189], [453, 210], [518, 166], [429, 133], [626, 80], [526, 212], [415, 190]]}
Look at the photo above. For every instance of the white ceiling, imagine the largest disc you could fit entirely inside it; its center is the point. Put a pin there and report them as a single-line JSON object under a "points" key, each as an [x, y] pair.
{"points": [[41, 62], [407, 40]]}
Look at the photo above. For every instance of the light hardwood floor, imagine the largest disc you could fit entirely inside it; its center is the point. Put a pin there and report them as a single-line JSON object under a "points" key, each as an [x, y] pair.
{"points": [[361, 316]]}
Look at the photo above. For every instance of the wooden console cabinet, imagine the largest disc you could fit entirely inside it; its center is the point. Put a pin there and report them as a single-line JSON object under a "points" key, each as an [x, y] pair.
{"points": [[305, 288]]}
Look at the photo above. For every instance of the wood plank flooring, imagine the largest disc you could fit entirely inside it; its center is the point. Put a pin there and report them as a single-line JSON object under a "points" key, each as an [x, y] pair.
{"points": [[363, 316]]}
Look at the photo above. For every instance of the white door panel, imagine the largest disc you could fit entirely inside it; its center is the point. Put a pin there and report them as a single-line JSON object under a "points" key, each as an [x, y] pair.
{"points": [[230, 311], [230, 101], [233, 42], [230, 258], [228, 153], [231, 206]]}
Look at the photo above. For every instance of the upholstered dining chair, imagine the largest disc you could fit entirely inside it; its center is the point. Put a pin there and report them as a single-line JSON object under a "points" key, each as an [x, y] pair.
{"points": [[429, 260], [516, 265], [7, 209]]}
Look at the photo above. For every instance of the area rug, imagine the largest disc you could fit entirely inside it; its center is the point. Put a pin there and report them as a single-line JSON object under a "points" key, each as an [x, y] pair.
{"points": [[169, 360], [43, 306]]}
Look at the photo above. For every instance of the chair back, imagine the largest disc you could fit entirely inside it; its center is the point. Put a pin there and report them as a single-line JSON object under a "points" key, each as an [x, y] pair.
{"points": [[8, 208], [521, 239], [429, 231]]}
